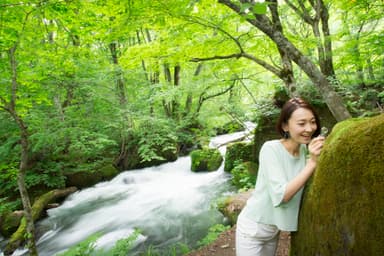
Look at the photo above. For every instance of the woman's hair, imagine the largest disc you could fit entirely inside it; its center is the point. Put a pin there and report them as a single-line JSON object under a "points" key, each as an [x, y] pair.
{"points": [[287, 110]]}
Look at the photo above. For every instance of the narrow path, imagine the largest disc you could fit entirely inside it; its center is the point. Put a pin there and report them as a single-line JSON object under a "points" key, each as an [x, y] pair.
{"points": [[225, 245]]}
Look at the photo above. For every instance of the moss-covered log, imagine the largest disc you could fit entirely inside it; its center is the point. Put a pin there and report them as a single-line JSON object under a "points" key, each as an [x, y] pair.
{"points": [[18, 238], [342, 211]]}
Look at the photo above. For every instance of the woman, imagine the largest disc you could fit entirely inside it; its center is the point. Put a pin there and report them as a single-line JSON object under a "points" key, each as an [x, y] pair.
{"points": [[284, 168]]}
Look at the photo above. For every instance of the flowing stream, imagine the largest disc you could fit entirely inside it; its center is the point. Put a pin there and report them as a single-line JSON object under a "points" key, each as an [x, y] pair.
{"points": [[168, 203]]}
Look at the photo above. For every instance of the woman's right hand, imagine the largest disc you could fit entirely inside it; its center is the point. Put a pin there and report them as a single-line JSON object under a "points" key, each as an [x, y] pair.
{"points": [[315, 147]]}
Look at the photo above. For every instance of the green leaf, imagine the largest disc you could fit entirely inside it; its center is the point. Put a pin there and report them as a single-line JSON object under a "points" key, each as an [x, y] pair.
{"points": [[245, 6], [260, 8]]}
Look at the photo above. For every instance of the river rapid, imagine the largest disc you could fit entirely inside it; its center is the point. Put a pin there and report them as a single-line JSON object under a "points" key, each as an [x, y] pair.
{"points": [[168, 203]]}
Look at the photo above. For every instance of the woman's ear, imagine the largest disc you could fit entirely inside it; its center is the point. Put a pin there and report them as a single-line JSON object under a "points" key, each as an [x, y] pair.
{"points": [[284, 126]]}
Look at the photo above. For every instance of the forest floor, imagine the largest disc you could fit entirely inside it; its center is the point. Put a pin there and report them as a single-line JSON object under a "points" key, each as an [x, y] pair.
{"points": [[225, 245]]}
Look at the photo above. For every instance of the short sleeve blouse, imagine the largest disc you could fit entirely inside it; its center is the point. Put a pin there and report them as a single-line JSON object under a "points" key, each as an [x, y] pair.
{"points": [[277, 167]]}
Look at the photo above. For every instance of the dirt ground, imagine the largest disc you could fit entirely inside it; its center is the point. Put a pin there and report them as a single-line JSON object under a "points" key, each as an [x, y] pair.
{"points": [[225, 245]]}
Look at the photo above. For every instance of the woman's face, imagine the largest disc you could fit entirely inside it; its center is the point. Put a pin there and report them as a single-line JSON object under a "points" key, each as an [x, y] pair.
{"points": [[301, 125]]}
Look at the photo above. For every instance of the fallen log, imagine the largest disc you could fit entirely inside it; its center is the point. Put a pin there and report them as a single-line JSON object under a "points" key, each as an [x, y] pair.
{"points": [[18, 237]]}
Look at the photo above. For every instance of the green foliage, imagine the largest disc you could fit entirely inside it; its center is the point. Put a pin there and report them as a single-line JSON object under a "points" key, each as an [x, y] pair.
{"points": [[9, 156], [238, 152], [242, 176], [361, 99], [157, 139], [50, 178], [174, 250], [7, 206], [87, 247], [8, 178], [78, 114], [122, 246], [213, 234], [230, 127], [265, 110], [84, 248], [207, 159]]}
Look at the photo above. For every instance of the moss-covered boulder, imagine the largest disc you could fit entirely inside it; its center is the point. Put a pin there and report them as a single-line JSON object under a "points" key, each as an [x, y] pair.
{"points": [[232, 205], [238, 152], [84, 179], [343, 207], [10, 223], [208, 159]]}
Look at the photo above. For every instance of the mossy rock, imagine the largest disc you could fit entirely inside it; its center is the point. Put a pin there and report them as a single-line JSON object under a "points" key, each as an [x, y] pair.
{"points": [[238, 151], [342, 211], [84, 179], [132, 159], [208, 159], [232, 205], [11, 223]]}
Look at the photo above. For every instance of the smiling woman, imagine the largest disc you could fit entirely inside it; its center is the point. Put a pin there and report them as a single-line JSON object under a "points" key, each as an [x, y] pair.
{"points": [[283, 172]]}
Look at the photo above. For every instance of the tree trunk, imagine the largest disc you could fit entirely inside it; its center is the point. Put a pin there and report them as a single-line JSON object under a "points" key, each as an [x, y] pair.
{"points": [[167, 105], [172, 106], [286, 74], [188, 102], [120, 85], [327, 67], [30, 234], [175, 102], [315, 17], [331, 98]]}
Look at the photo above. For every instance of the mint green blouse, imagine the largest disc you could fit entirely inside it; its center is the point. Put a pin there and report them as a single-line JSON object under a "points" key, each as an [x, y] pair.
{"points": [[276, 168]]}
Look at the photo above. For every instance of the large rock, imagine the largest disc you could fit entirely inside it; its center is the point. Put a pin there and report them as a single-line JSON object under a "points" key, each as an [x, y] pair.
{"points": [[85, 179], [238, 152], [207, 159], [232, 205], [343, 207]]}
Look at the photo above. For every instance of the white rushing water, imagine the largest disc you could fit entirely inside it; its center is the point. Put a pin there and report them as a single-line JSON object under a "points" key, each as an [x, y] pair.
{"points": [[168, 203]]}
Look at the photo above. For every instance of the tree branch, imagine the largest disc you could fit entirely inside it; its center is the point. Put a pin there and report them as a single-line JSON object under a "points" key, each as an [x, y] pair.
{"points": [[211, 25], [219, 93], [2, 100], [217, 57]]}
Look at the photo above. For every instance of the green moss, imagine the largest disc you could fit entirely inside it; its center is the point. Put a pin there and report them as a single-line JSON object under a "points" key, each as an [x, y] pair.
{"points": [[342, 211], [84, 179], [238, 152], [205, 160], [108, 171], [10, 223]]}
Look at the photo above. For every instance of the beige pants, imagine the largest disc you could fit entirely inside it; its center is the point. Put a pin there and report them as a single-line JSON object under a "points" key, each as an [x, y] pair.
{"points": [[255, 239]]}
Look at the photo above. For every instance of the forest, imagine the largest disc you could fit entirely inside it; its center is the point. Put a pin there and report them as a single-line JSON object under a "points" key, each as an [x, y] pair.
{"points": [[111, 85]]}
